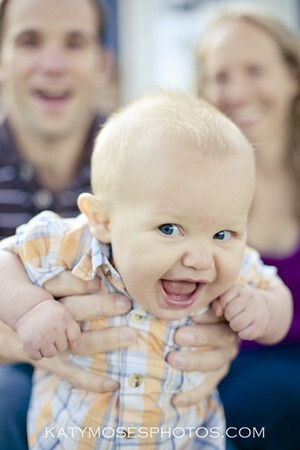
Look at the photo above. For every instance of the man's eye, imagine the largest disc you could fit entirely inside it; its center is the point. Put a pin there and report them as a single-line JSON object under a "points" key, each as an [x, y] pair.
{"points": [[170, 229], [76, 43], [223, 235], [28, 41]]}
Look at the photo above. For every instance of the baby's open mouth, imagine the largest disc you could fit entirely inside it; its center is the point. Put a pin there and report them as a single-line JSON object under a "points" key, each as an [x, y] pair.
{"points": [[180, 293]]}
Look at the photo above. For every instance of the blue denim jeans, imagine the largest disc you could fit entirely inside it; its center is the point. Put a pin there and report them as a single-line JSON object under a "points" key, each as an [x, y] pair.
{"points": [[262, 389], [15, 388]]}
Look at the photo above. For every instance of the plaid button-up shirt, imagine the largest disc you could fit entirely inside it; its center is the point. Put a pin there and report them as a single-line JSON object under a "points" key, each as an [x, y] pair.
{"points": [[140, 413]]}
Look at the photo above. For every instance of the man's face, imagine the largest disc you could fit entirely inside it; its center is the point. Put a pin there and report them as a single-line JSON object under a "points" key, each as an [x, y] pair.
{"points": [[178, 233], [50, 64]]}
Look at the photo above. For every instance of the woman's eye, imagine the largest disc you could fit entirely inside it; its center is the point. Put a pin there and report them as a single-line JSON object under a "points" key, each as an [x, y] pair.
{"points": [[222, 78], [170, 229], [223, 235]]}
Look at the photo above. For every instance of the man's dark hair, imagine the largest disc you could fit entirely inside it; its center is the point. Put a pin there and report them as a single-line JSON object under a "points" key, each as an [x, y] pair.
{"points": [[97, 4]]}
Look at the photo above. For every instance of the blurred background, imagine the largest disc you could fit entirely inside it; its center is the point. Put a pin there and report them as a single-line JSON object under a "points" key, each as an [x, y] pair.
{"points": [[152, 42]]}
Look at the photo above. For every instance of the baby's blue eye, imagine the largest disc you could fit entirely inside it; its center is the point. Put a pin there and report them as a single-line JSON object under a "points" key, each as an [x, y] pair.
{"points": [[223, 235], [170, 229]]}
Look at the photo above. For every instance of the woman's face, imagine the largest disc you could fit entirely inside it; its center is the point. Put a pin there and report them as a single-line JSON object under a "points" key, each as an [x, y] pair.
{"points": [[246, 77]]}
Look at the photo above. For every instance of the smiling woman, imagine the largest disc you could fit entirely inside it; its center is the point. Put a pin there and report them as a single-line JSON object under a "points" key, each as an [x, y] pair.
{"points": [[249, 67]]}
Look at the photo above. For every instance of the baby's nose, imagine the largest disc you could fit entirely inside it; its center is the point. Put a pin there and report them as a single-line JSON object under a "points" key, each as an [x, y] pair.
{"points": [[200, 258]]}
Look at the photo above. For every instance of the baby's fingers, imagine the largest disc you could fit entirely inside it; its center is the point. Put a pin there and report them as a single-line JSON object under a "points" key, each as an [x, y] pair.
{"points": [[217, 308], [249, 333], [235, 307], [73, 332], [61, 343], [232, 293], [241, 321], [32, 353], [48, 351]]}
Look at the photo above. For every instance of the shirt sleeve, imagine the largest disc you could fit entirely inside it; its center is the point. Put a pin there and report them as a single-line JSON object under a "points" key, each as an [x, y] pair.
{"points": [[38, 245], [254, 272]]}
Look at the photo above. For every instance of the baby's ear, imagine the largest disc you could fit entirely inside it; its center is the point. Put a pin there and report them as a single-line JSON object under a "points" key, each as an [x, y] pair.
{"points": [[96, 215]]}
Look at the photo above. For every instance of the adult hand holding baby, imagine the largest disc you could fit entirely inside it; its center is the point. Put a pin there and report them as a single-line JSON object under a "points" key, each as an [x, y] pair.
{"points": [[89, 342], [208, 331], [213, 346]]}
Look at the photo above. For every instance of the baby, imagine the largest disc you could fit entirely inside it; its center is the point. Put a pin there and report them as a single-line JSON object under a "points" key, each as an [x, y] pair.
{"points": [[166, 225]]}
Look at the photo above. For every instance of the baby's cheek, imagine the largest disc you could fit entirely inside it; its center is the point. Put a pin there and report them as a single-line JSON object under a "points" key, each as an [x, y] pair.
{"points": [[132, 280], [230, 274], [137, 283]]}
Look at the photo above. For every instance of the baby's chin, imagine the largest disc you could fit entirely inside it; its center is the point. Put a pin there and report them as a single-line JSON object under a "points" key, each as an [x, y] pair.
{"points": [[168, 314]]}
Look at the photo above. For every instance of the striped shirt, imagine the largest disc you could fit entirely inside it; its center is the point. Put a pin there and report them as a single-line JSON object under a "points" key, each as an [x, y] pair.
{"points": [[21, 194], [140, 414]]}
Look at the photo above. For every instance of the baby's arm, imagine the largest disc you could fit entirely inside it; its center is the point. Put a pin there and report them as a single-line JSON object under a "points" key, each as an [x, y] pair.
{"points": [[263, 315], [43, 324]]}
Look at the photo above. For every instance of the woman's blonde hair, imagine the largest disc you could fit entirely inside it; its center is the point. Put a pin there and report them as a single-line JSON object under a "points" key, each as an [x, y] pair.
{"points": [[289, 45]]}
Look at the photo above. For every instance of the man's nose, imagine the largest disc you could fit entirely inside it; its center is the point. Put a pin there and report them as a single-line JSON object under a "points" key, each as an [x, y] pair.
{"points": [[198, 258], [53, 60]]}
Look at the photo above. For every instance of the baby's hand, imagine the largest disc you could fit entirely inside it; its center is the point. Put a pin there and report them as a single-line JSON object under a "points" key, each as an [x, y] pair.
{"points": [[245, 309], [46, 329]]}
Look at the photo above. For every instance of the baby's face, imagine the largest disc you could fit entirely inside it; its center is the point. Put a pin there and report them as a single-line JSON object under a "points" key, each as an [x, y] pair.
{"points": [[179, 233]]}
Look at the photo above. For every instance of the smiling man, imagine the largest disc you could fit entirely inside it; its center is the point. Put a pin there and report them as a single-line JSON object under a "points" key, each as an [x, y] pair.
{"points": [[51, 64]]}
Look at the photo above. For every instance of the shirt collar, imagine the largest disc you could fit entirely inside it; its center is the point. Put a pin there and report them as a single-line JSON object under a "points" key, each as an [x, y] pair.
{"points": [[97, 261]]}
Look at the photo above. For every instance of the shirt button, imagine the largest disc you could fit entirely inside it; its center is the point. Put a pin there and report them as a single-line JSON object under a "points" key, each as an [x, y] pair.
{"points": [[135, 380], [137, 316], [106, 270], [129, 433], [42, 199], [26, 171]]}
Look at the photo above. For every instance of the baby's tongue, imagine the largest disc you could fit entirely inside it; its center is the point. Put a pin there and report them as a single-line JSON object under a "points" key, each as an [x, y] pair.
{"points": [[178, 287]]}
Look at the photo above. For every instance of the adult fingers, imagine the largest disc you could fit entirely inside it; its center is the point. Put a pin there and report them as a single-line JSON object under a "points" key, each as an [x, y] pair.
{"points": [[91, 342], [65, 369], [201, 392], [67, 284], [203, 360], [217, 334], [94, 306]]}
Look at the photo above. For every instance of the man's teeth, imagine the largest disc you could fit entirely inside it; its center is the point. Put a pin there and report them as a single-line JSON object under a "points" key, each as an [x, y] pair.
{"points": [[53, 94]]}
